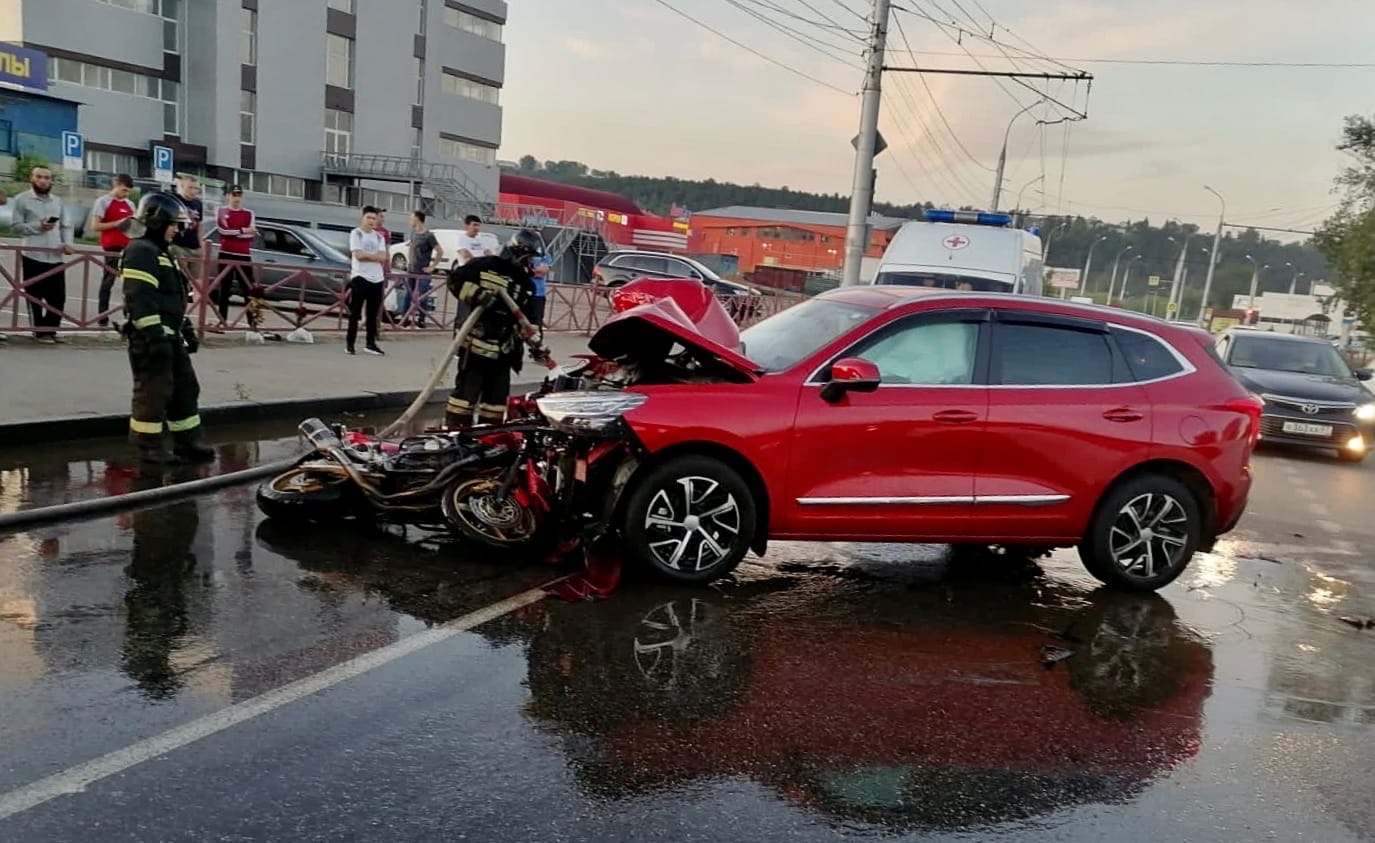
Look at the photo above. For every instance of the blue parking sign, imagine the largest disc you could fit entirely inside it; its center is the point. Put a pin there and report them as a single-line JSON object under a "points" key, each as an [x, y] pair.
{"points": [[73, 151], [162, 164]]}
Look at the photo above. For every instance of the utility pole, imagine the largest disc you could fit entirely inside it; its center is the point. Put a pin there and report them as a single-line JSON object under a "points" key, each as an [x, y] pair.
{"points": [[1213, 258], [1176, 281], [1088, 263], [1002, 156], [1112, 282], [866, 147]]}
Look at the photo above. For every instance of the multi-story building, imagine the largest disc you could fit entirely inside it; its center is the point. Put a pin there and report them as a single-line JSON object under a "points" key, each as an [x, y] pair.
{"points": [[336, 100]]}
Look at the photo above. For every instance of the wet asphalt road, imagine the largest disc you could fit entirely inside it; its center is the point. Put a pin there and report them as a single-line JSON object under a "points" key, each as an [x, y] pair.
{"points": [[829, 691]]}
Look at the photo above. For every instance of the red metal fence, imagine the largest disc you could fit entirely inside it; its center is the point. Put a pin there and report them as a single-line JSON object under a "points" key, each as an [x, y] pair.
{"points": [[287, 297]]}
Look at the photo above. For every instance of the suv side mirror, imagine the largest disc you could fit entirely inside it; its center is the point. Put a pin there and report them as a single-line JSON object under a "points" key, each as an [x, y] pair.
{"points": [[1364, 374], [850, 374]]}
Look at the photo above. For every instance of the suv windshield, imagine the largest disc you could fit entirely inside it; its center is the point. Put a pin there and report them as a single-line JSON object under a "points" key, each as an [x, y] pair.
{"points": [[941, 280], [1286, 355], [782, 341]]}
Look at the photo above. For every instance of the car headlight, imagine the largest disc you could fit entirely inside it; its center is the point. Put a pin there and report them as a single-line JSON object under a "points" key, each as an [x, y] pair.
{"points": [[1366, 412], [588, 412]]}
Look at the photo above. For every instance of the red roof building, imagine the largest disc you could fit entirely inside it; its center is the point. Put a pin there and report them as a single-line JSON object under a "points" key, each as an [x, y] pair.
{"points": [[523, 200]]}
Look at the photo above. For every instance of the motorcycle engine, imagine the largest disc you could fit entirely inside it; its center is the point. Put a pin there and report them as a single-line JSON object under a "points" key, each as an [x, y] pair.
{"points": [[427, 453]]}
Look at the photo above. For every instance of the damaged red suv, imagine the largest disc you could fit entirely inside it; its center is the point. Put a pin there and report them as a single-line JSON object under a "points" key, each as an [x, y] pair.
{"points": [[892, 414]]}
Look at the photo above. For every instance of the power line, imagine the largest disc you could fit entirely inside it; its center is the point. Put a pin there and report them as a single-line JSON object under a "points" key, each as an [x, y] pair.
{"points": [[856, 34], [863, 17], [811, 42], [1175, 62], [752, 51], [902, 33]]}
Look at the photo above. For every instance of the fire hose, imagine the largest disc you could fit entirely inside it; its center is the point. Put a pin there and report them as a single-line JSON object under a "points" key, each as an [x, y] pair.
{"points": [[24, 518]]}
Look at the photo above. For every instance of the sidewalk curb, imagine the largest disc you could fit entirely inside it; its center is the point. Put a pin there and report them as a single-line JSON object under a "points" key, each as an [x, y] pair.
{"points": [[68, 428]]}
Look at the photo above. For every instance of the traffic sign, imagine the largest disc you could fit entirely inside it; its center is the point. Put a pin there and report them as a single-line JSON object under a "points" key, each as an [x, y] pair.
{"points": [[1153, 281], [162, 164], [73, 151], [1172, 308]]}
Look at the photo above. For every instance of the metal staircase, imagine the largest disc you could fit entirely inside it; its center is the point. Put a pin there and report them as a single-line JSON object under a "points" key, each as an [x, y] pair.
{"points": [[449, 183]]}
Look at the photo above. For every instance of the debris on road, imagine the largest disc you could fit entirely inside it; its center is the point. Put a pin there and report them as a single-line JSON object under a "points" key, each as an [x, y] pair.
{"points": [[1052, 655], [1359, 623]]}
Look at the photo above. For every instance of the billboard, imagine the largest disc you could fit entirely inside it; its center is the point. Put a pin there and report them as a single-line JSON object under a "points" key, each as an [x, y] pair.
{"points": [[1062, 279], [24, 67]]}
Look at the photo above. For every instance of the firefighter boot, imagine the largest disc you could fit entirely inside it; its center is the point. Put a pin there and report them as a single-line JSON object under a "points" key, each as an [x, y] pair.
{"points": [[152, 450], [190, 446], [457, 421]]}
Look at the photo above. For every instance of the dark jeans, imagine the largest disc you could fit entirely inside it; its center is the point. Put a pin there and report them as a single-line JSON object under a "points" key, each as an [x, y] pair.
{"points": [[51, 290], [112, 257], [237, 277], [364, 294]]}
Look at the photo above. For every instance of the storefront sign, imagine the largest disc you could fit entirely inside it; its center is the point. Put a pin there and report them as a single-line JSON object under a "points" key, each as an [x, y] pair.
{"points": [[24, 67]]}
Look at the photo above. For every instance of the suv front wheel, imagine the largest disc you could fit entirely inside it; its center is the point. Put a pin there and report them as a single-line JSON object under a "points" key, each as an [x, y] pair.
{"points": [[690, 520], [1143, 533]]}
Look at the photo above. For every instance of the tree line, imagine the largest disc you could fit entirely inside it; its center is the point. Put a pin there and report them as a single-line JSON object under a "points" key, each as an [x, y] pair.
{"points": [[1146, 248]]}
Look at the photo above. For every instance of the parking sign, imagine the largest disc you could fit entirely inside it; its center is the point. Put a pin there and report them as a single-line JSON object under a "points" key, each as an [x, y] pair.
{"points": [[162, 164], [73, 151]]}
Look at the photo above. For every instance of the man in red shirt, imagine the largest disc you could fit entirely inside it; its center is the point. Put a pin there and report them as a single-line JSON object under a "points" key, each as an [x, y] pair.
{"points": [[236, 226], [110, 217]]}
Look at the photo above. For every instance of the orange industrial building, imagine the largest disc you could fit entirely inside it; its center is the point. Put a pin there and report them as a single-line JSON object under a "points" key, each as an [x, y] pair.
{"points": [[810, 241]]}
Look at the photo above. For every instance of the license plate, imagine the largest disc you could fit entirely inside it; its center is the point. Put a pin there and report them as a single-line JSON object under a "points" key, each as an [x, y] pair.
{"points": [[1308, 429]]}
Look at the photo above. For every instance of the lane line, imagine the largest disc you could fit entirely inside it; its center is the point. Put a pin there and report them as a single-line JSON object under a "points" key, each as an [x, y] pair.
{"points": [[1329, 526], [1345, 546], [1320, 510], [1305, 491], [76, 779]]}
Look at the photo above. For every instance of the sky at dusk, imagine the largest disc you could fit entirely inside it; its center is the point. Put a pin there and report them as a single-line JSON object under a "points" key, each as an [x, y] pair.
{"points": [[627, 85]]}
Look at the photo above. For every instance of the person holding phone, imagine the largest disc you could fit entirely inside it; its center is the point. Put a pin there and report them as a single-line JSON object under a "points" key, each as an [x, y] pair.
{"points": [[46, 239]]}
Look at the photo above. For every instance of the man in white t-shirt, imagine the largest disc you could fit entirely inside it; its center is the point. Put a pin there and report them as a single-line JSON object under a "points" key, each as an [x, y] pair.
{"points": [[369, 253], [471, 243]]}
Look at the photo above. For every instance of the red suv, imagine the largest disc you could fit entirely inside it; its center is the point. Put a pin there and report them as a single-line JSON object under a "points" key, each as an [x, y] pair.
{"points": [[895, 414]]}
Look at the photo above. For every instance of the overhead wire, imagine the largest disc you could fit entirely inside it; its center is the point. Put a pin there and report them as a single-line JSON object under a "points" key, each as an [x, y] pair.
{"points": [[940, 112], [847, 8], [830, 25], [1176, 62], [752, 51], [825, 48]]}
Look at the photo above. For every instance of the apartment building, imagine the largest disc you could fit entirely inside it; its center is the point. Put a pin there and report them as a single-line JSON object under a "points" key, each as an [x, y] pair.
{"points": [[303, 99]]}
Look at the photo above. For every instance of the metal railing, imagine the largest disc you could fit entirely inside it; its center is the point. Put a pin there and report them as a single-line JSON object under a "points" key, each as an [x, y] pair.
{"points": [[442, 178]]}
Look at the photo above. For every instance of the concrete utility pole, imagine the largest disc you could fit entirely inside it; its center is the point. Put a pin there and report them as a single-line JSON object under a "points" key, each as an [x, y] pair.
{"points": [[1002, 156], [866, 147], [1212, 259]]}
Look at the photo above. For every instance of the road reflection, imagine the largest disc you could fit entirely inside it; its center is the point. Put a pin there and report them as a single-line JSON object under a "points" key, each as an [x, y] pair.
{"points": [[874, 705]]}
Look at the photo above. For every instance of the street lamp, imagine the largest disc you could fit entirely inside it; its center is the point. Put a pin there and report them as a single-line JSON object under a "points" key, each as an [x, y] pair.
{"points": [[1045, 249], [1002, 156], [1127, 276], [1088, 261], [1112, 282], [1018, 204], [1212, 259]]}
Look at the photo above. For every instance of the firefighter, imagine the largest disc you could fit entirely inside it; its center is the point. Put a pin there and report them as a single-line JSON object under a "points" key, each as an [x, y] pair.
{"points": [[490, 353], [161, 339]]}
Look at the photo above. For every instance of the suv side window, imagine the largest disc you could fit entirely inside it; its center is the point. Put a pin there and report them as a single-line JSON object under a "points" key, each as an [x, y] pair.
{"points": [[1031, 354], [928, 353], [1147, 357], [681, 269]]}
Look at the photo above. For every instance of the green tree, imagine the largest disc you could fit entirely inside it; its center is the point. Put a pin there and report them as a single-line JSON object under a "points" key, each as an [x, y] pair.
{"points": [[1348, 236]]}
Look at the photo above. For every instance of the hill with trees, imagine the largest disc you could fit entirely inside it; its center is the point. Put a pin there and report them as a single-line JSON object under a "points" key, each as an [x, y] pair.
{"points": [[1150, 249]]}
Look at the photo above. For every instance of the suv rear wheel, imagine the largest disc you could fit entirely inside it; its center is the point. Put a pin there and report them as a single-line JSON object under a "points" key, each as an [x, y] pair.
{"points": [[1143, 533], [690, 520]]}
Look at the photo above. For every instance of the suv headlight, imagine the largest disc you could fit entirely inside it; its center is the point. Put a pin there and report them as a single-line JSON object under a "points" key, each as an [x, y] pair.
{"points": [[1366, 412], [588, 412]]}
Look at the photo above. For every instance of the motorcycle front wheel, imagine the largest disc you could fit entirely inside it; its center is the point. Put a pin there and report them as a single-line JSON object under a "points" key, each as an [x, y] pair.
{"points": [[475, 509], [301, 494]]}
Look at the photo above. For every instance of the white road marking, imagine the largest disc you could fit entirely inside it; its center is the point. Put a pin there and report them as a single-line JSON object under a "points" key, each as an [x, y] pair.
{"points": [[1305, 491], [78, 778], [1345, 546], [1329, 526], [1320, 510]]}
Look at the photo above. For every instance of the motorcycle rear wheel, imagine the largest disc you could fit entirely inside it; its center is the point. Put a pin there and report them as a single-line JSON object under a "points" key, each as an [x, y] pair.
{"points": [[472, 507], [300, 494]]}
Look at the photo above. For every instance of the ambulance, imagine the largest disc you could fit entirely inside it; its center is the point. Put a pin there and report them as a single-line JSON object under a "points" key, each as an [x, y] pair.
{"points": [[964, 250]]}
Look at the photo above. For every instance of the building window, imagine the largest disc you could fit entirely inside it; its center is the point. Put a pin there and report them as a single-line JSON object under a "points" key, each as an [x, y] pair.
{"points": [[112, 163], [342, 5], [417, 136], [248, 117], [457, 150], [419, 81], [454, 84], [103, 78], [271, 185], [248, 37], [148, 7], [170, 12], [339, 62], [338, 131], [468, 22]]}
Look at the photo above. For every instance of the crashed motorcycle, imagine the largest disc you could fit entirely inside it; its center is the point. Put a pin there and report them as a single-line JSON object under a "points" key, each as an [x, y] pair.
{"points": [[547, 478]]}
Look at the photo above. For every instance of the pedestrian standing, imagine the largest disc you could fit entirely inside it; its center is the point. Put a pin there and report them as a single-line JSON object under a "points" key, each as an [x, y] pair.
{"points": [[166, 393], [540, 274], [369, 252], [470, 242], [187, 247], [425, 252], [237, 227], [37, 216], [110, 218]]}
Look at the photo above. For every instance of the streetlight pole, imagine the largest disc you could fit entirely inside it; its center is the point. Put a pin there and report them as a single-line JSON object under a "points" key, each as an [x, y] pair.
{"points": [[866, 147], [1255, 279], [1179, 269], [1112, 282], [1023, 190], [1088, 261], [1045, 249], [1127, 276], [1002, 156], [1212, 259]]}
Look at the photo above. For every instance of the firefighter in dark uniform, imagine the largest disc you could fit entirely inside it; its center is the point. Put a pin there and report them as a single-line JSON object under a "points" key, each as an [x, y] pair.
{"points": [[161, 339], [493, 349]]}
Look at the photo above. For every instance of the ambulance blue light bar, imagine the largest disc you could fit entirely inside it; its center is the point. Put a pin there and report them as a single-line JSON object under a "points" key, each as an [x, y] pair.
{"points": [[968, 217]]}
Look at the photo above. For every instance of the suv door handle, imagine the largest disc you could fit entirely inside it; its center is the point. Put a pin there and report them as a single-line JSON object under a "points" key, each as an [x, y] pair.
{"points": [[956, 417], [1123, 414]]}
